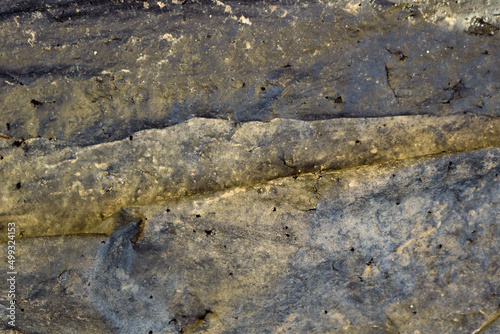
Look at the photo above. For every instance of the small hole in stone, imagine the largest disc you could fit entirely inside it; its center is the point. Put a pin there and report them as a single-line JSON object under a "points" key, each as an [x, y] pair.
{"points": [[18, 185], [8, 126], [168, 210], [274, 209], [36, 103], [198, 216], [397, 203], [262, 88], [357, 142], [131, 137], [440, 246], [326, 312], [150, 297], [352, 249]]}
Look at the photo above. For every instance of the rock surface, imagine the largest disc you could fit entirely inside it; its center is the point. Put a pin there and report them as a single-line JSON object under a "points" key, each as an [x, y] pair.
{"points": [[380, 249], [96, 71], [74, 189], [251, 167]]}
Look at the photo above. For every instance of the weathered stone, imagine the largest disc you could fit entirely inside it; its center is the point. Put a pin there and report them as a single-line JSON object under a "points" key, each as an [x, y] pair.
{"points": [[94, 72], [74, 189], [251, 167], [394, 248]]}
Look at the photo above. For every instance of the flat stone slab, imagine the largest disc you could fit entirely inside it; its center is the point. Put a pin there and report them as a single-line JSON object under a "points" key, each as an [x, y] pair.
{"points": [[51, 189]]}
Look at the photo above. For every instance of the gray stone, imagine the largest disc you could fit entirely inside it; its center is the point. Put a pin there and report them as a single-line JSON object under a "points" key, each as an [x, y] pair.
{"points": [[251, 167], [400, 247], [95, 72], [75, 189]]}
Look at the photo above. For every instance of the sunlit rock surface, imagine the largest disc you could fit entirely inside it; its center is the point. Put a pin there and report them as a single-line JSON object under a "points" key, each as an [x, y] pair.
{"points": [[251, 167]]}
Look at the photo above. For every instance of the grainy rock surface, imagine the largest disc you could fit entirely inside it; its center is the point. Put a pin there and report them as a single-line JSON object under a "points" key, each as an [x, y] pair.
{"points": [[251, 166], [75, 189], [95, 71], [377, 249]]}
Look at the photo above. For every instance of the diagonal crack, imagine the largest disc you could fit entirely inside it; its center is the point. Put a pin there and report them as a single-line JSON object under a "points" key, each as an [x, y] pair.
{"points": [[488, 322]]}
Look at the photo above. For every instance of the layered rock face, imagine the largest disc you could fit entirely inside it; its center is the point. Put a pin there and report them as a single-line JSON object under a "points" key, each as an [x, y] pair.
{"points": [[250, 167]]}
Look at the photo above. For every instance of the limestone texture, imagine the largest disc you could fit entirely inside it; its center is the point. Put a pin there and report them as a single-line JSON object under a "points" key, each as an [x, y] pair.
{"points": [[250, 166]]}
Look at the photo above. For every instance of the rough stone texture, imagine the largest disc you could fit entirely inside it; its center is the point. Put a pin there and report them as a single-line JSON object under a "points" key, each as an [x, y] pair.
{"points": [[251, 167], [74, 189], [95, 71], [393, 248]]}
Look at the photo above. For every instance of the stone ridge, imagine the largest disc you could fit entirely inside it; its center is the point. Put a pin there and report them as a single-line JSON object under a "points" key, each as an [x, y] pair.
{"points": [[59, 191]]}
